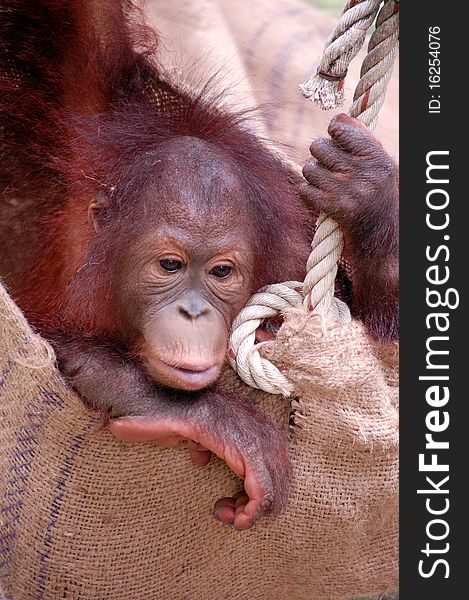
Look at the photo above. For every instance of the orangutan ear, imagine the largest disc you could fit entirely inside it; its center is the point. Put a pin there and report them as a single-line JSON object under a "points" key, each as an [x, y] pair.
{"points": [[96, 208]]}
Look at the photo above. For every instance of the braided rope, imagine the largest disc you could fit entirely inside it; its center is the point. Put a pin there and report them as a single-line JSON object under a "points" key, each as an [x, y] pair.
{"points": [[367, 101], [326, 87], [254, 370], [376, 69], [321, 267]]}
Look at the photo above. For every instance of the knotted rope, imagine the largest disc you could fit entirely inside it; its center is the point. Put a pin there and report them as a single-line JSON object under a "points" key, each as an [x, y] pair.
{"points": [[325, 88], [254, 370]]}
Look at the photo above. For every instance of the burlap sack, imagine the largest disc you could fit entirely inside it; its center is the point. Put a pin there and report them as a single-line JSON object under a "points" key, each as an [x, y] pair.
{"points": [[86, 517]]}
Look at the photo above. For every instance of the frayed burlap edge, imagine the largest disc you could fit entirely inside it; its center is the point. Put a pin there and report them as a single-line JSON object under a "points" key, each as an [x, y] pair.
{"points": [[84, 516]]}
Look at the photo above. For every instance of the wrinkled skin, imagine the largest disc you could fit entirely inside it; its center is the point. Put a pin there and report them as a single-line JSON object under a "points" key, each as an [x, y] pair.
{"points": [[178, 285], [354, 181], [137, 218]]}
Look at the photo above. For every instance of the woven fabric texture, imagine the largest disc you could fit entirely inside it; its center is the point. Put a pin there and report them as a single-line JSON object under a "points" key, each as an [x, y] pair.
{"points": [[84, 516]]}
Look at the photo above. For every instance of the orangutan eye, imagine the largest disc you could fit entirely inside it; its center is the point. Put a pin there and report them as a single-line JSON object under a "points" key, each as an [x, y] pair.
{"points": [[221, 271], [170, 265]]}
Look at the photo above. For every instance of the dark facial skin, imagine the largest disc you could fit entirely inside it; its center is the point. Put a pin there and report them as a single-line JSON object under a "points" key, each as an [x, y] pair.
{"points": [[182, 264], [177, 287], [355, 181], [184, 279], [184, 269], [147, 217], [181, 296]]}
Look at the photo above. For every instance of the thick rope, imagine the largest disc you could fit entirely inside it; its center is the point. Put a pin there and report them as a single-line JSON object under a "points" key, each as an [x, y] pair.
{"points": [[321, 267], [367, 101], [377, 67], [254, 370], [326, 87]]}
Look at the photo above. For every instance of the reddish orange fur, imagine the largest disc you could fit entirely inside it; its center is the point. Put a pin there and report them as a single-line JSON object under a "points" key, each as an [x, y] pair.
{"points": [[81, 121]]}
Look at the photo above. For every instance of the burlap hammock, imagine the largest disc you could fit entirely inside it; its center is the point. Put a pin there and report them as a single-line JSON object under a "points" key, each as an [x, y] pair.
{"points": [[84, 516]]}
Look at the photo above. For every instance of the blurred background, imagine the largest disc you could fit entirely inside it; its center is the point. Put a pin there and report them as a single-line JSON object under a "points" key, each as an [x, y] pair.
{"points": [[331, 7], [260, 52]]}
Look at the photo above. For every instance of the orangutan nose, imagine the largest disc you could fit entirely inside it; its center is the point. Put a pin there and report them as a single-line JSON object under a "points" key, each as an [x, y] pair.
{"points": [[193, 308]]}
